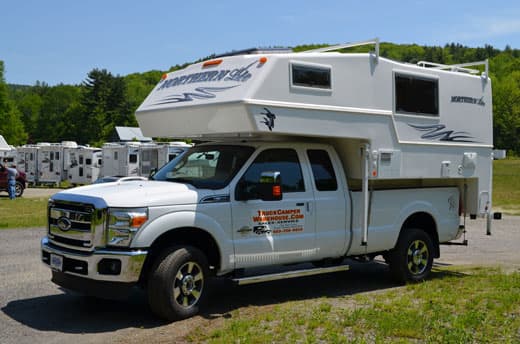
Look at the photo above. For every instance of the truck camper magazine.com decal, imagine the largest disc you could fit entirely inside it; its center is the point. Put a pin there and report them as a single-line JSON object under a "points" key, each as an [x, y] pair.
{"points": [[237, 75]]}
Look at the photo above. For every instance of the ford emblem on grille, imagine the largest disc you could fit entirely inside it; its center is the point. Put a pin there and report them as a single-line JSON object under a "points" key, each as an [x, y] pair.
{"points": [[64, 223]]}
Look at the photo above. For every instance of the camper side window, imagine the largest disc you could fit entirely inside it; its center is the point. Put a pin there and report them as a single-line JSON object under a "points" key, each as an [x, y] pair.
{"points": [[133, 158], [311, 76], [416, 95]]}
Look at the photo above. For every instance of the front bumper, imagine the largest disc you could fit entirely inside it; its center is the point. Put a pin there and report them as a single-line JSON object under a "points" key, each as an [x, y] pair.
{"points": [[100, 265]]}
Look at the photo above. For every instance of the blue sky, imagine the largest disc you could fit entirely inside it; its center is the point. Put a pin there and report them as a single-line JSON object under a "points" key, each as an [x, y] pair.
{"points": [[61, 41]]}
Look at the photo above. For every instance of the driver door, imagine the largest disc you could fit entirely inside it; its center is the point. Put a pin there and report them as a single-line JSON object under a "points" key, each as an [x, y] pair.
{"points": [[267, 232]]}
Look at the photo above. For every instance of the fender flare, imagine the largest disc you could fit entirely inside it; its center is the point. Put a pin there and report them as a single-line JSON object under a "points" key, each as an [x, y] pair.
{"points": [[169, 222]]}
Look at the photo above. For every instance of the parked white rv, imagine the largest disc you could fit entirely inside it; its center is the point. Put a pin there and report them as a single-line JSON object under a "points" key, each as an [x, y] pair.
{"points": [[53, 162], [84, 165], [120, 159], [27, 161], [167, 152], [311, 157], [7, 152]]}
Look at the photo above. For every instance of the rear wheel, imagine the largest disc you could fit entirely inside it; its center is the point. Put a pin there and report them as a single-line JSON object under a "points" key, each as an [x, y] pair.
{"points": [[412, 258], [177, 283]]}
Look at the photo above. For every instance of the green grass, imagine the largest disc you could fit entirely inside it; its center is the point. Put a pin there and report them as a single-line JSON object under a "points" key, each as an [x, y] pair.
{"points": [[506, 186], [479, 306], [23, 212]]}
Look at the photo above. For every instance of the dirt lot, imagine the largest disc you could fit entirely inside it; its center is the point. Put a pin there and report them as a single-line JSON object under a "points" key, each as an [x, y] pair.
{"points": [[34, 310], [39, 192]]}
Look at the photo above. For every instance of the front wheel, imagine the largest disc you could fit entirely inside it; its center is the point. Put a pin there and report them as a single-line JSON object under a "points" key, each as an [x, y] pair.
{"points": [[177, 283], [412, 258]]}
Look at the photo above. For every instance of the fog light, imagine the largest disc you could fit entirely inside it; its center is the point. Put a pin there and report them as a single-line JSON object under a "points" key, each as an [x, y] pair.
{"points": [[109, 266]]}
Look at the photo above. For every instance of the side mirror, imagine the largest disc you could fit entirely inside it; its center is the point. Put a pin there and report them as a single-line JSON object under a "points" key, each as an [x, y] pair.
{"points": [[270, 186], [153, 171]]}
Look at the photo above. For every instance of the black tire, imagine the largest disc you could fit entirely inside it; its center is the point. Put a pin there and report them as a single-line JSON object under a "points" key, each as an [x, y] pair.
{"points": [[177, 283], [18, 189], [412, 258]]}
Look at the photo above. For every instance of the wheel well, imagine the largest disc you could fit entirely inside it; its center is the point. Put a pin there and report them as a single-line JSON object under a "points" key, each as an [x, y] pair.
{"points": [[425, 222], [194, 237]]}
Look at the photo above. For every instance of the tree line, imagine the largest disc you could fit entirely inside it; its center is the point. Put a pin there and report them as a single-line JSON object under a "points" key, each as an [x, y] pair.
{"points": [[87, 113]]}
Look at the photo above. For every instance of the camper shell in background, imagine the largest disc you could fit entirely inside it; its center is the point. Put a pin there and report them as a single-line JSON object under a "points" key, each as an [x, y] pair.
{"points": [[53, 161], [170, 150], [27, 161], [84, 165], [120, 159], [7, 152]]}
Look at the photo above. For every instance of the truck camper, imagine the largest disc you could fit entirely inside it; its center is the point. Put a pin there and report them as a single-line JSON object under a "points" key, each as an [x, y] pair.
{"points": [[51, 157], [309, 157], [120, 159], [84, 165], [27, 161]]}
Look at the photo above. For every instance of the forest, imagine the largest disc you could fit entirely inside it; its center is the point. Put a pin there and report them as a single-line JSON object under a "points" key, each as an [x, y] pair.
{"points": [[87, 113]]}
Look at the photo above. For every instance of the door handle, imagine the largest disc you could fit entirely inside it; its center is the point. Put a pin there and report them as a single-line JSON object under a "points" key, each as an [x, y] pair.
{"points": [[244, 230], [300, 204]]}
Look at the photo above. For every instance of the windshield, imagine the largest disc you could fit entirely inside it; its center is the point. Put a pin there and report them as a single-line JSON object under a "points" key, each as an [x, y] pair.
{"points": [[206, 167]]}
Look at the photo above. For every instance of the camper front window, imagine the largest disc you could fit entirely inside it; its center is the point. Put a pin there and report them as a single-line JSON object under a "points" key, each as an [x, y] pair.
{"points": [[310, 76]]}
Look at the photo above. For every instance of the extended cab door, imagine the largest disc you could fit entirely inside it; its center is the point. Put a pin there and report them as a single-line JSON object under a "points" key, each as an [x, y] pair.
{"points": [[331, 203], [267, 232]]}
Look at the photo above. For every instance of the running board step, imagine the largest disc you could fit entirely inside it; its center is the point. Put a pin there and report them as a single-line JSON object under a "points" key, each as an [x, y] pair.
{"points": [[289, 274]]}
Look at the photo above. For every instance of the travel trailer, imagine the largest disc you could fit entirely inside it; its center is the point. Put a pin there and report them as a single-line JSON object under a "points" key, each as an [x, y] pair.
{"points": [[120, 159], [84, 165], [309, 157]]}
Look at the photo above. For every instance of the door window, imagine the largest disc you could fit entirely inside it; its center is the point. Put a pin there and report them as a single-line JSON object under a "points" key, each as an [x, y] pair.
{"points": [[322, 170]]}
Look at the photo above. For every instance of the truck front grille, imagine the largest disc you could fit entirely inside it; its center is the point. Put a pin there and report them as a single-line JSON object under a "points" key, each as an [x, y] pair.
{"points": [[76, 225]]}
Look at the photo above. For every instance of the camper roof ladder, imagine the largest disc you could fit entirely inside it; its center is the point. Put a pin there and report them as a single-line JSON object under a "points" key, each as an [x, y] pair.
{"points": [[374, 41], [461, 67]]}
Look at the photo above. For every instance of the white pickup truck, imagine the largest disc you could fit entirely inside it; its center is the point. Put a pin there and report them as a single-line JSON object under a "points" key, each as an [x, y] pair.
{"points": [[294, 170], [230, 206]]}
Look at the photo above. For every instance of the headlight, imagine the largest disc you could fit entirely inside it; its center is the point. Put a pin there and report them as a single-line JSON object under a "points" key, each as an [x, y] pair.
{"points": [[123, 224]]}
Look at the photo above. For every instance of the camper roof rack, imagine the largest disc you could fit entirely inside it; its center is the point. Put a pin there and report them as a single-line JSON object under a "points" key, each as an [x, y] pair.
{"points": [[374, 41], [461, 67], [252, 51]]}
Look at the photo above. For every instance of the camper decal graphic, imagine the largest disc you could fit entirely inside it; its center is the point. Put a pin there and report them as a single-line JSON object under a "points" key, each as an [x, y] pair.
{"points": [[438, 132], [221, 76], [468, 100], [268, 119], [199, 93]]}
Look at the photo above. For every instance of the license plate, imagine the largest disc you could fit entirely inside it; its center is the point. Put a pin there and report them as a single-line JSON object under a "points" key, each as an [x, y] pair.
{"points": [[56, 262]]}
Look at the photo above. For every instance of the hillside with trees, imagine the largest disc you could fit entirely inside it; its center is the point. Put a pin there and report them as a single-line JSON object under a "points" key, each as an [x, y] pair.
{"points": [[87, 113]]}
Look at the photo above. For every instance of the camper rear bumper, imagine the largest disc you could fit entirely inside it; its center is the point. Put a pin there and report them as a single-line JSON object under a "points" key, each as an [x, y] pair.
{"points": [[101, 265]]}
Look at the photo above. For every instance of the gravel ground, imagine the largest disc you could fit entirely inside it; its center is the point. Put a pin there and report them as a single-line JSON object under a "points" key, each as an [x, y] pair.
{"points": [[34, 310]]}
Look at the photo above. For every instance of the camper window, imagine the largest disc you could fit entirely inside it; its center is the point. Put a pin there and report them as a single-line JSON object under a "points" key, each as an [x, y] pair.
{"points": [[132, 158], [311, 76], [416, 95]]}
